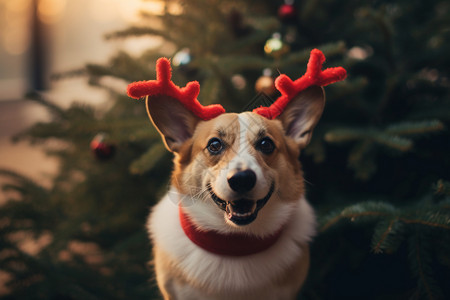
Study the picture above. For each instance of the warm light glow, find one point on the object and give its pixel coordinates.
(128, 10)
(51, 11)
(17, 6)
(15, 18)
(15, 41)
(15, 26)
(103, 10)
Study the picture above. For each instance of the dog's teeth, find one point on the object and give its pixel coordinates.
(241, 215)
(230, 213)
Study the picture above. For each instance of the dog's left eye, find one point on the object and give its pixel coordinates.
(265, 145)
(215, 146)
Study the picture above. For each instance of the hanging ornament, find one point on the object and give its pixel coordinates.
(266, 83)
(101, 149)
(238, 81)
(287, 12)
(275, 46)
(182, 60)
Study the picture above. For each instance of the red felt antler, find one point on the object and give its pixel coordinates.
(163, 85)
(289, 89)
(187, 96)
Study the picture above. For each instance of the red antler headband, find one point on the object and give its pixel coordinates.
(187, 96)
(164, 86)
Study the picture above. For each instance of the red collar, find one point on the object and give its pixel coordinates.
(234, 244)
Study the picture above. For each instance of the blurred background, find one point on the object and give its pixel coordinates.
(41, 38)
(81, 165)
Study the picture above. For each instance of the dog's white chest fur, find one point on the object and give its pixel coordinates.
(246, 277)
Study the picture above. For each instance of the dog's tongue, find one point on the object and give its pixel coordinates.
(240, 208)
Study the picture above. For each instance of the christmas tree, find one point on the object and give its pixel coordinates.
(377, 169)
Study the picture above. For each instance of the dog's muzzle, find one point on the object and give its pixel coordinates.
(241, 211)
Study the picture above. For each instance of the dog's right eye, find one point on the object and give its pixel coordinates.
(265, 145)
(215, 146)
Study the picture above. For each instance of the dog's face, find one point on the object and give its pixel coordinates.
(242, 167)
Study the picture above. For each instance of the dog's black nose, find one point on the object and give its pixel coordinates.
(242, 181)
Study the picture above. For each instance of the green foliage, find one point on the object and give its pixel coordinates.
(148, 160)
(443, 187)
(422, 267)
(391, 224)
(397, 137)
(377, 165)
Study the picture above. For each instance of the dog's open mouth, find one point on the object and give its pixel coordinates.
(241, 211)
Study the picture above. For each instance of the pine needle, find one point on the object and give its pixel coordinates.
(415, 128)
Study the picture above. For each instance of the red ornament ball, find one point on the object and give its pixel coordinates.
(287, 12)
(101, 149)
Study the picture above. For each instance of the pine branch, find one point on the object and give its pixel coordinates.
(141, 31)
(392, 141)
(123, 66)
(52, 108)
(350, 134)
(427, 223)
(302, 56)
(352, 217)
(441, 112)
(388, 236)
(142, 134)
(386, 28)
(384, 234)
(415, 128)
(362, 159)
(420, 259)
(316, 149)
(442, 188)
(341, 135)
(367, 211)
(148, 159)
(437, 217)
(257, 36)
(69, 74)
(421, 272)
(23, 184)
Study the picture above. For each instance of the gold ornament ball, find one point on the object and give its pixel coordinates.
(266, 85)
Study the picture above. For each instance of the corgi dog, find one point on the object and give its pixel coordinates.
(235, 223)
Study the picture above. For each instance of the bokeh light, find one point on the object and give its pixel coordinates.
(14, 26)
(51, 11)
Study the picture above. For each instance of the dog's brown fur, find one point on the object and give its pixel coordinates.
(194, 165)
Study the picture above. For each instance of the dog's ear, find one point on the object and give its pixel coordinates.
(302, 114)
(175, 123)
